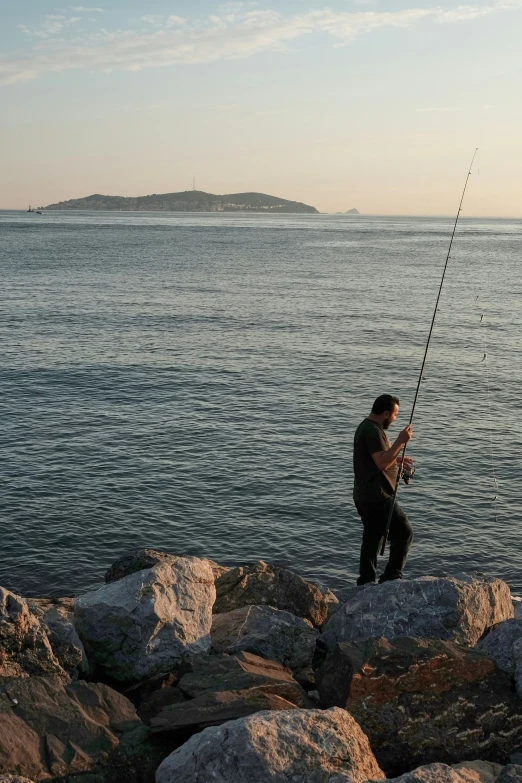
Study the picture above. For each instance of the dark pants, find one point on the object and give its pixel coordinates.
(374, 518)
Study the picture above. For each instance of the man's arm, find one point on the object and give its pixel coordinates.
(385, 459)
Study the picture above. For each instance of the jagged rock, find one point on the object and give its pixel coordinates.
(141, 691)
(14, 779)
(213, 709)
(456, 609)
(148, 622)
(258, 584)
(270, 633)
(498, 644)
(53, 729)
(423, 700)
(512, 773)
(215, 673)
(276, 747)
(306, 678)
(159, 700)
(142, 559)
(467, 772)
(56, 615)
(24, 646)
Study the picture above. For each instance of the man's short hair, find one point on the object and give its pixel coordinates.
(386, 402)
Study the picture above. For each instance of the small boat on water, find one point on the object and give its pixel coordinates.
(38, 212)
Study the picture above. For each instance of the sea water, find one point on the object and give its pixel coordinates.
(192, 382)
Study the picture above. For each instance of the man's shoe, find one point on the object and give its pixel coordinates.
(367, 582)
(384, 578)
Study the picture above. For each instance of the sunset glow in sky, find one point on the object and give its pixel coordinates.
(371, 104)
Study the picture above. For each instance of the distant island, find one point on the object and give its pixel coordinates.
(352, 212)
(188, 201)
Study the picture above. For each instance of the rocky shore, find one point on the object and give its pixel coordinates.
(178, 670)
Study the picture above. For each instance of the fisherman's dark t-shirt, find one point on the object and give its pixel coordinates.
(371, 485)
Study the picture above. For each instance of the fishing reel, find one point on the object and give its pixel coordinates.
(407, 473)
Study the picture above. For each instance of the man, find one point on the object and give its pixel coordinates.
(376, 464)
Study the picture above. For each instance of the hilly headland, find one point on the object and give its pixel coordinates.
(188, 201)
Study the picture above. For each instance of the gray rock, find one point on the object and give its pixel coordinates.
(517, 607)
(270, 633)
(423, 701)
(348, 592)
(53, 729)
(467, 772)
(478, 771)
(242, 671)
(458, 609)
(142, 559)
(146, 623)
(512, 773)
(276, 747)
(24, 645)
(498, 644)
(517, 657)
(56, 615)
(258, 584)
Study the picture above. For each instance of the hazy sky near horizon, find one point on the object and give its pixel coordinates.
(374, 104)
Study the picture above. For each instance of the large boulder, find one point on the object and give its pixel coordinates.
(243, 671)
(424, 700)
(499, 643)
(51, 729)
(213, 709)
(56, 616)
(270, 633)
(142, 559)
(276, 747)
(258, 584)
(467, 772)
(458, 609)
(146, 623)
(24, 645)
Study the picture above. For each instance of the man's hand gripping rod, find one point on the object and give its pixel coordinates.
(394, 498)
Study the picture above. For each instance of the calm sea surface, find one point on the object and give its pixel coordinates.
(192, 383)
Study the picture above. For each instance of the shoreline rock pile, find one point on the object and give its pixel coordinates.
(180, 670)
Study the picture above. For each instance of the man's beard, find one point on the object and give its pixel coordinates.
(385, 424)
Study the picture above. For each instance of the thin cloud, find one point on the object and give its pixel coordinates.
(175, 20)
(52, 25)
(235, 32)
(82, 9)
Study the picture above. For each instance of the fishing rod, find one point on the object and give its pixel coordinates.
(399, 473)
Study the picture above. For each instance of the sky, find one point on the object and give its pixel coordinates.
(373, 104)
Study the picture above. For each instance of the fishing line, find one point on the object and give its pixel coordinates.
(401, 464)
(482, 327)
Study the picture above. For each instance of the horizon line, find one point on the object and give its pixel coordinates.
(275, 214)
